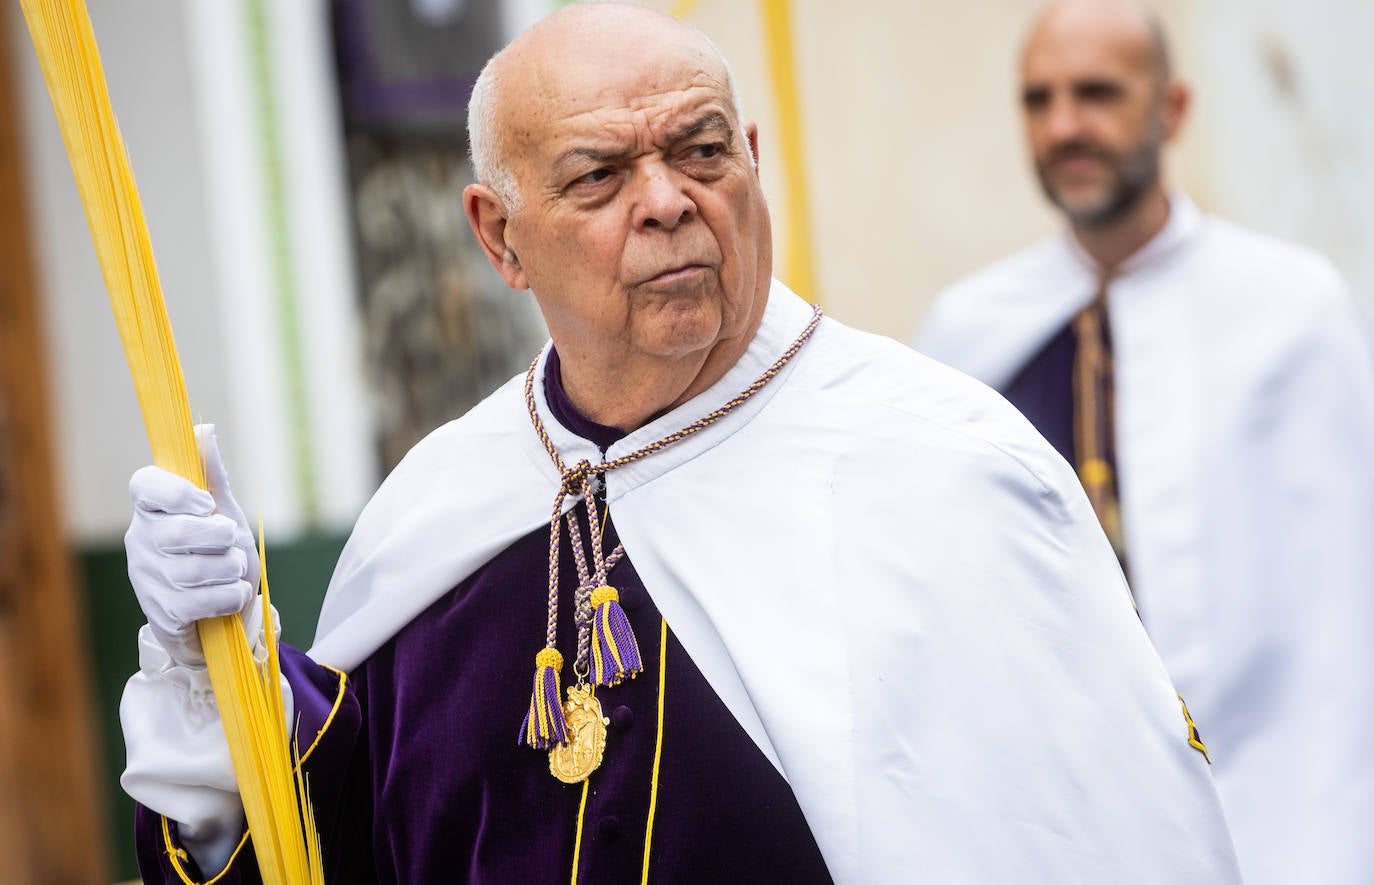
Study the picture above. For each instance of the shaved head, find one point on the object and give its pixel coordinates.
(528, 69)
(1130, 22)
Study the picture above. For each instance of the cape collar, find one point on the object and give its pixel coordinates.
(1185, 219)
(1009, 323)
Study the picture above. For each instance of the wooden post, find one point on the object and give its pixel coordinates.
(49, 785)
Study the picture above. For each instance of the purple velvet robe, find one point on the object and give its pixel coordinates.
(419, 777)
(1043, 391)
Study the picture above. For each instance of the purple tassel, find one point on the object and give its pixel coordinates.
(545, 724)
(615, 653)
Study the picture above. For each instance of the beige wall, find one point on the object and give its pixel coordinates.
(916, 160)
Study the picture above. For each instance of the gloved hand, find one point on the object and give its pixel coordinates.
(191, 554)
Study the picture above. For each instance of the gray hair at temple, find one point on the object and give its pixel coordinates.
(486, 148)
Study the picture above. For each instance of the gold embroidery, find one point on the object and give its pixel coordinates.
(574, 761)
(1194, 737)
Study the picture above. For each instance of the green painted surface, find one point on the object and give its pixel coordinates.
(299, 573)
(277, 224)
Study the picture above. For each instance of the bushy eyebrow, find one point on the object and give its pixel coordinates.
(592, 156)
(711, 122)
(1035, 96)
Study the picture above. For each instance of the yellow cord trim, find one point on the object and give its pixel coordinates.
(329, 720)
(577, 845)
(658, 744)
(177, 855)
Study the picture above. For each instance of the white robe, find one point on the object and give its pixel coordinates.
(891, 581)
(1245, 450)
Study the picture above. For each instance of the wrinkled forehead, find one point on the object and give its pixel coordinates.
(612, 94)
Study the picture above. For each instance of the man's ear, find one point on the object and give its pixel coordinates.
(751, 134)
(487, 214)
(1177, 99)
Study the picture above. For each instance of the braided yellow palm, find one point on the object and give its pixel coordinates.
(248, 695)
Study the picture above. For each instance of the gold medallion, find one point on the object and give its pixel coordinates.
(574, 761)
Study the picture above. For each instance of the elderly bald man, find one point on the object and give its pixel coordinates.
(809, 607)
(1214, 389)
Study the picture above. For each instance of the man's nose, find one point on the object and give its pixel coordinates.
(1064, 120)
(662, 200)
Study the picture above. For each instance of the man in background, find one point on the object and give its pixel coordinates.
(1213, 388)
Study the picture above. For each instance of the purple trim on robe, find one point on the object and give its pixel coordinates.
(421, 779)
(567, 414)
(1043, 391)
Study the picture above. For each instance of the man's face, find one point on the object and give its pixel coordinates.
(1096, 120)
(643, 230)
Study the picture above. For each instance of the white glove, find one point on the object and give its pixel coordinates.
(191, 554)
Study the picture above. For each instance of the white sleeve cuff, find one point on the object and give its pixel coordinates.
(178, 762)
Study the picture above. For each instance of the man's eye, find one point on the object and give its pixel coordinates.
(706, 151)
(596, 176)
(1035, 99)
(1098, 91)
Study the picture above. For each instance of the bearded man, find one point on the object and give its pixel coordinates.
(877, 631)
(1215, 390)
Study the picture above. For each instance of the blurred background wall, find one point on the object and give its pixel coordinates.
(917, 167)
(300, 163)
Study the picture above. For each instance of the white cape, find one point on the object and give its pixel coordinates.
(892, 582)
(1245, 427)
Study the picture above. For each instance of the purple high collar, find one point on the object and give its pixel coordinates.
(567, 414)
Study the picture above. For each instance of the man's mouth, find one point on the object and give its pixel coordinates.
(1077, 167)
(679, 274)
(1077, 160)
